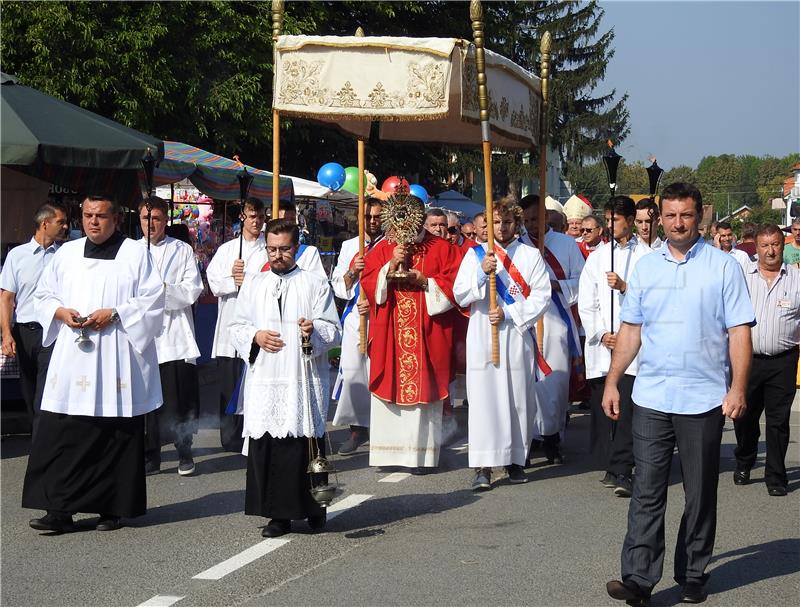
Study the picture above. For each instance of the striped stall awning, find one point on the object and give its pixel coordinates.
(215, 175)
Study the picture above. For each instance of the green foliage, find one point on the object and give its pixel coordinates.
(201, 72)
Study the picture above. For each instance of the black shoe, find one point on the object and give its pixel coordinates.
(516, 474)
(108, 523)
(423, 470)
(59, 523)
(777, 490)
(482, 480)
(277, 527)
(151, 467)
(623, 486)
(629, 592)
(535, 444)
(693, 592)
(351, 445)
(317, 522)
(609, 481)
(554, 457)
(186, 466)
(741, 476)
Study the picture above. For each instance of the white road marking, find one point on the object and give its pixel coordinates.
(240, 560)
(395, 477)
(161, 600)
(350, 501)
(253, 553)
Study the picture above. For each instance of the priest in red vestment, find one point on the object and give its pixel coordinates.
(409, 346)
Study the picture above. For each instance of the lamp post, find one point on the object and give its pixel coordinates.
(654, 173)
(611, 161)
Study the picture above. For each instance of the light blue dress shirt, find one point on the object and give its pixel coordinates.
(685, 309)
(22, 270)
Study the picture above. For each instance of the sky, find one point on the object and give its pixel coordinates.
(706, 78)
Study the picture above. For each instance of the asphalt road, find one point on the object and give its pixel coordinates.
(417, 541)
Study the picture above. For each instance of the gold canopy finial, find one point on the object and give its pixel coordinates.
(277, 19)
(475, 10)
(360, 32)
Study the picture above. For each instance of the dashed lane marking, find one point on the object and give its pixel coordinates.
(394, 477)
(263, 548)
(161, 600)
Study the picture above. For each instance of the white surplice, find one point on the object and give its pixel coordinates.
(174, 261)
(351, 389)
(595, 301)
(283, 394)
(118, 375)
(220, 281)
(553, 390)
(502, 399)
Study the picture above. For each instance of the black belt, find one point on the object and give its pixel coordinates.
(33, 326)
(788, 352)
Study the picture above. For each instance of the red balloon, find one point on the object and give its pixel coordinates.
(392, 183)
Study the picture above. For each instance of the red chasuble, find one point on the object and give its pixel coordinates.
(409, 350)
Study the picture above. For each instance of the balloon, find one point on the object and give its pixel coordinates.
(391, 184)
(417, 190)
(332, 176)
(351, 180)
(195, 212)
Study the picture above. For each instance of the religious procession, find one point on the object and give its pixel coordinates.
(493, 322)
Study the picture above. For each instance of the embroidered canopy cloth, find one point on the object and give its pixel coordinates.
(419, 89)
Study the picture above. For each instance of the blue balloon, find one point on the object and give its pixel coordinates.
(332, 175)
(417, 190)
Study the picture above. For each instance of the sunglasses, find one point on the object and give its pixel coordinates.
(452, 230)
(587, 230)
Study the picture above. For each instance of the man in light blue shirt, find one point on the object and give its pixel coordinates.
(22, 270)
(688, 309)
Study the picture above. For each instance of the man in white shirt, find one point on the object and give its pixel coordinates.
(726, 238)
(352, 383)
(22, 334)
(647, 221)
(176, 420)
(226, 272)
(600, 293)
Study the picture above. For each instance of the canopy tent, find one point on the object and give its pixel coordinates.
(64, 144)
(451, 200)
(214, 175)
(405, 83)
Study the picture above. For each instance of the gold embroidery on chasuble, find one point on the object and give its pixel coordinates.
(407, 327)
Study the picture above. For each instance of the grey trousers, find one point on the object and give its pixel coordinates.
(698, 439)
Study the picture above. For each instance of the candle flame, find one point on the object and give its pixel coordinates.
(610, 144)
(652, 159)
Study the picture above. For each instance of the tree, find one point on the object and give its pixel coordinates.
(201, 72)
(680, 173)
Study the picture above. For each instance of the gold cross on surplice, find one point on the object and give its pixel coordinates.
(83, 383)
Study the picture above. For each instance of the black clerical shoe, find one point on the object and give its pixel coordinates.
(609, 481)
(693, 592)
(554, 457)
(741, 476)
(516, 474)
(108, 523)
(777, 490)
(623, 486)
(423, 470)
(317, 522)
(277, 527)
(151, 467)
(629, 592)
(59, 523)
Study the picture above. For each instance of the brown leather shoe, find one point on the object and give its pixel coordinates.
(629, 592)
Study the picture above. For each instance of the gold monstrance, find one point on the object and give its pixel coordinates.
(403, 216)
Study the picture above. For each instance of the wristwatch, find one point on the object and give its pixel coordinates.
(114, 315)
(352, 274)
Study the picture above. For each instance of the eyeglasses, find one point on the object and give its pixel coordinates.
(452, 230)
(374, 217)
(468, 234)
(587, 230)
(275, 250)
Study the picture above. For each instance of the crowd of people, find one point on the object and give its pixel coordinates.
(632, 313)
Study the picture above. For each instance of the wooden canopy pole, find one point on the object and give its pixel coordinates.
(362, 320)
(544, 74)
(277, 26)
(476, 16)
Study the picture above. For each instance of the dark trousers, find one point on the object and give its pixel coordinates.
(612, 443)
(33, 361)
(655, 435)
(770, 390)
(229, 371)
(175, 421)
